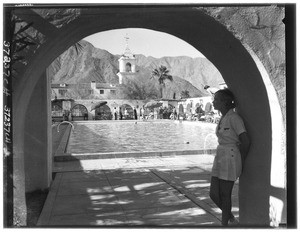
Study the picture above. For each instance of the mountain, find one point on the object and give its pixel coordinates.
(88, 63)
(198, 71)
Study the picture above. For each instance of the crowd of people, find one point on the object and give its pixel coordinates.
(199, 115)
(144, 113)
(141, 113)
(164, 113)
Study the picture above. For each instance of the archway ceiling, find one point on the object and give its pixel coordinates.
(149, 17)
(50, 22)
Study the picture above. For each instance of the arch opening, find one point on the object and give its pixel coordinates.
(79, 112)
(128, 67)
(103, 113)
(127, 111)
(225, 52)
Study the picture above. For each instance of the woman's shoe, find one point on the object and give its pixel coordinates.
(233, 222)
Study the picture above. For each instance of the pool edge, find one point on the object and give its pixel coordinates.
(140, 154)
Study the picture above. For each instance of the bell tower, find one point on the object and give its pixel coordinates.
(126, 64)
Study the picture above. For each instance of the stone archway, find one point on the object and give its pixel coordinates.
(127, 111)
(225, 51)
(103, 113)
(181, 109)
(79, 112)
(208, 107)
(189, 108)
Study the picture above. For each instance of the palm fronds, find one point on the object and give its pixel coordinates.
(162, 74)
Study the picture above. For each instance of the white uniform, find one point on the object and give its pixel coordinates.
(228, 164)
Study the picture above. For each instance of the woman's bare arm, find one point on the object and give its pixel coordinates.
(244, 145)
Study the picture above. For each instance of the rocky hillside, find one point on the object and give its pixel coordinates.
(198, 71)
(88, 64)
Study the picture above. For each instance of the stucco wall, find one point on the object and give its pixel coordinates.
(262, 30)
(38, 139)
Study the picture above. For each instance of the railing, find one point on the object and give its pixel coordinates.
(65, 122)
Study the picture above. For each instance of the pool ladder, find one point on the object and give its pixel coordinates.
(64, 122)
(205, 140)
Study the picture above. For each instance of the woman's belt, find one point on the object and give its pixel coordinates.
(228, 145)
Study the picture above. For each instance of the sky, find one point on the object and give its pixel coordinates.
(142, 41)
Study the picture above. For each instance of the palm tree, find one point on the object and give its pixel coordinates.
(162, 73)
(185, 94)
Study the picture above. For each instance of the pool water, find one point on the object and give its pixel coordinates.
(132, 136)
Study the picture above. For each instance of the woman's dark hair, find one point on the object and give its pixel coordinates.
(228, 97)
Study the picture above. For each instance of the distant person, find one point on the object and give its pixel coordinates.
(85, 117)
(151, 115)
(125, 113)
(143, 112)
(174, 114)
(135, 113)
(231, 152)
(200, 112)
(66, 115)
(155, 114)
(120, 114)
(201, 103)
(160, 112)
(115, 113)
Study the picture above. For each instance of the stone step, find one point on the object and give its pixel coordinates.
(63, 157)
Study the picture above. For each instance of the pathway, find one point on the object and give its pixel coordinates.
(154, 191)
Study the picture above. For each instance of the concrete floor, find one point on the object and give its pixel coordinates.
(137, 192)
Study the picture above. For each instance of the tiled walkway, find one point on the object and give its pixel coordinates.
(154, 191)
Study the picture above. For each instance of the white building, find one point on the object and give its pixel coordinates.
(127, 64)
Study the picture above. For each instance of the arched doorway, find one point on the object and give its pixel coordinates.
(128, 67)
(103, 113)
(127, 111)
(208, 108)
(56, 112)
(181, 109)
(198, 29)
(189, 109)
(79, 112)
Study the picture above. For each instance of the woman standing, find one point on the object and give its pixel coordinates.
(233, 147)
(126, 113)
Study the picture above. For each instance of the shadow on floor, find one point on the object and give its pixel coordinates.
(121, 198)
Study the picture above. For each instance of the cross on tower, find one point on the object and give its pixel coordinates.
(126, 38)
(127, 50)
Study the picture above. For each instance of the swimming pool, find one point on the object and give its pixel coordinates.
(132, 136)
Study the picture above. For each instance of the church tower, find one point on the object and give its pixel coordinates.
(126, 64)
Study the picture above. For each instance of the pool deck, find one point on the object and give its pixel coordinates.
(165, 192)
(169, 190)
